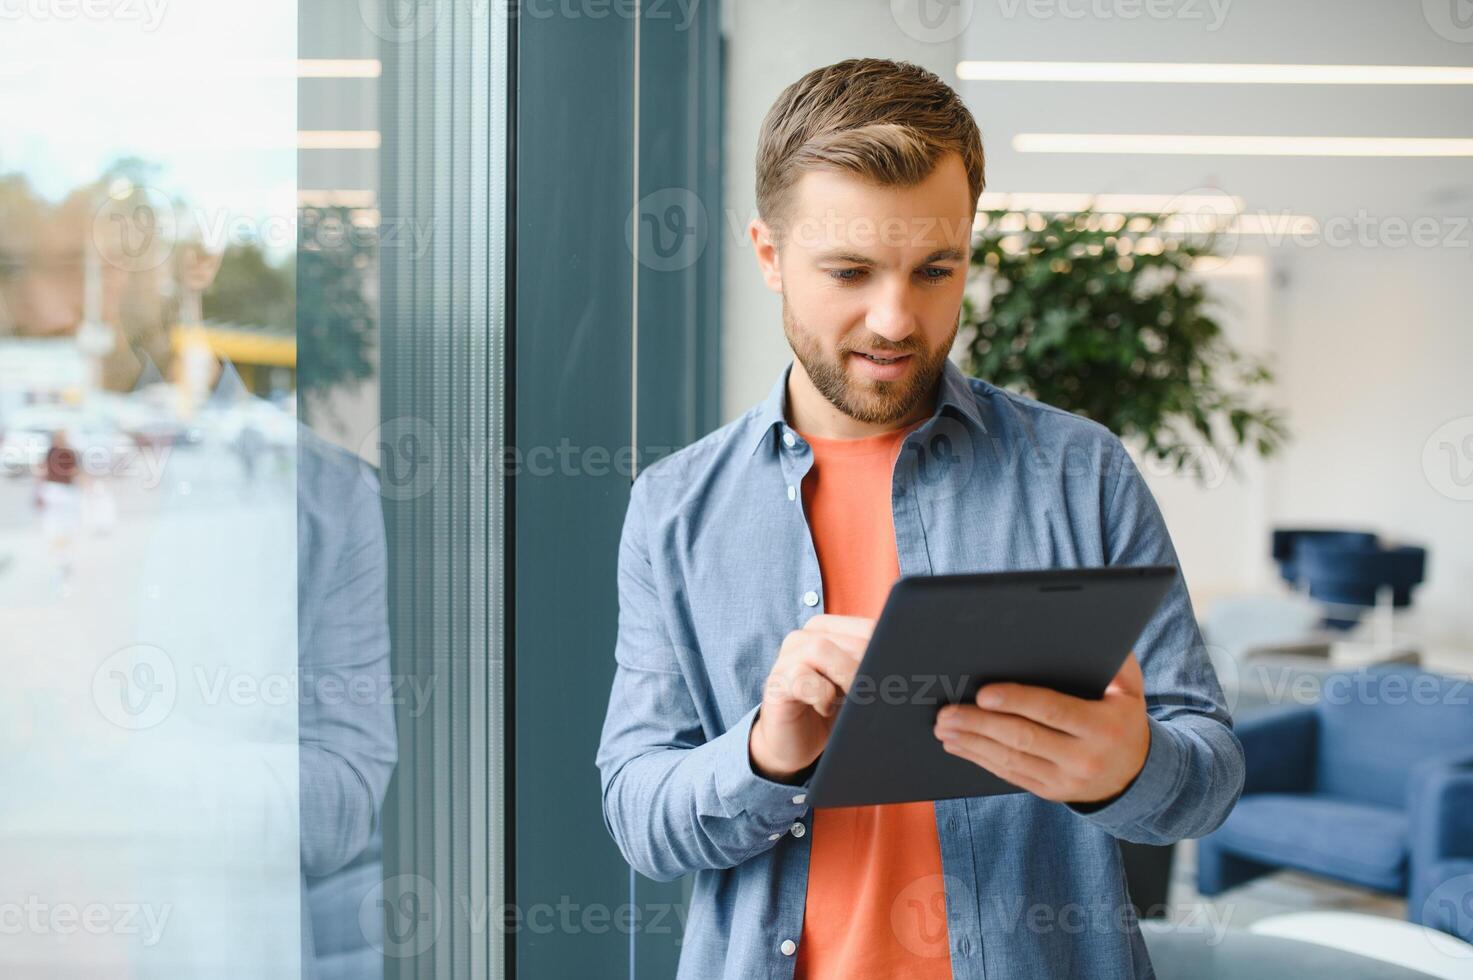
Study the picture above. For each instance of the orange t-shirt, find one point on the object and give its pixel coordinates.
(876, 906)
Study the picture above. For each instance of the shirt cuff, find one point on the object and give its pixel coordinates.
(741, 789)
(1152, 790)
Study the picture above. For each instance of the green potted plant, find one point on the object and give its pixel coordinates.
(1102, 314)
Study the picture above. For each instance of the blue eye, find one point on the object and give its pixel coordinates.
(843, 275)
(944, 273)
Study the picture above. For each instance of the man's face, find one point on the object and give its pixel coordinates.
(870, 270)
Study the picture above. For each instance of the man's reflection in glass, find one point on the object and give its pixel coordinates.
(346, 719)
(61, 276)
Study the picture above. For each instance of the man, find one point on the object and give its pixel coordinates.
(753, 562)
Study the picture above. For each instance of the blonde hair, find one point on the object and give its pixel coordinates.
(887, 121)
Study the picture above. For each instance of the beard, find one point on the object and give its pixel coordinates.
(865, 399)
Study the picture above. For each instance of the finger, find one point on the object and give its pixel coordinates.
(799, 641)
(817, 691)
(1015, 731)
(832, 660)
(800, 683)
(1002, 760)
(1129, 679)
(852, 646)
(855, 626)
(849, 648)
(1037, 787)
(1047, 707)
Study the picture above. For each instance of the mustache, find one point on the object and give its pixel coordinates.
(882, 349)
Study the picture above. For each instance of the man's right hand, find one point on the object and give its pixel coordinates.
(803, 691)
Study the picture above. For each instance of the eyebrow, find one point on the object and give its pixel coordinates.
(854, 258)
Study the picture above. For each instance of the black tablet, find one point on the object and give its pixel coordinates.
(941, 637)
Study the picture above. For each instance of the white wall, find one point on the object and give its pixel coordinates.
(1208, 518)
(1372, 343)
(1376, 350)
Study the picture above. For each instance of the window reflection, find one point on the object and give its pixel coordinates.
(198, 711)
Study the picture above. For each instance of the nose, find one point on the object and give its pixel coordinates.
(892, 315)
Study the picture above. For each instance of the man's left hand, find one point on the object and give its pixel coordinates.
(1062, 748)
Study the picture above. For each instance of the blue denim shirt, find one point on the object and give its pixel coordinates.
(717, 566)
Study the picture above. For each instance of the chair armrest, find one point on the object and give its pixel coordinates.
(1440, 807)
(1279, 750)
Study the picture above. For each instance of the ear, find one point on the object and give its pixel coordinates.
(765, 249)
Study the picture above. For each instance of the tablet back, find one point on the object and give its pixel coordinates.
(941, 637)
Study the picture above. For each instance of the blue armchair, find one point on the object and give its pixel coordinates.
(1373, 785)
(1441, 894)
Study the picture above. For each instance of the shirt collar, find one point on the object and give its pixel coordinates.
(955, 396)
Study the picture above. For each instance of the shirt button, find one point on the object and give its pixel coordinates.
(810, 598)
(792, 493)
(773, 836)
(788, 439)
(788, 947)
(800, 798)
(798, 829)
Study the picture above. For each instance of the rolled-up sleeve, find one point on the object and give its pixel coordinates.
(677, 798)
(1193, 773)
